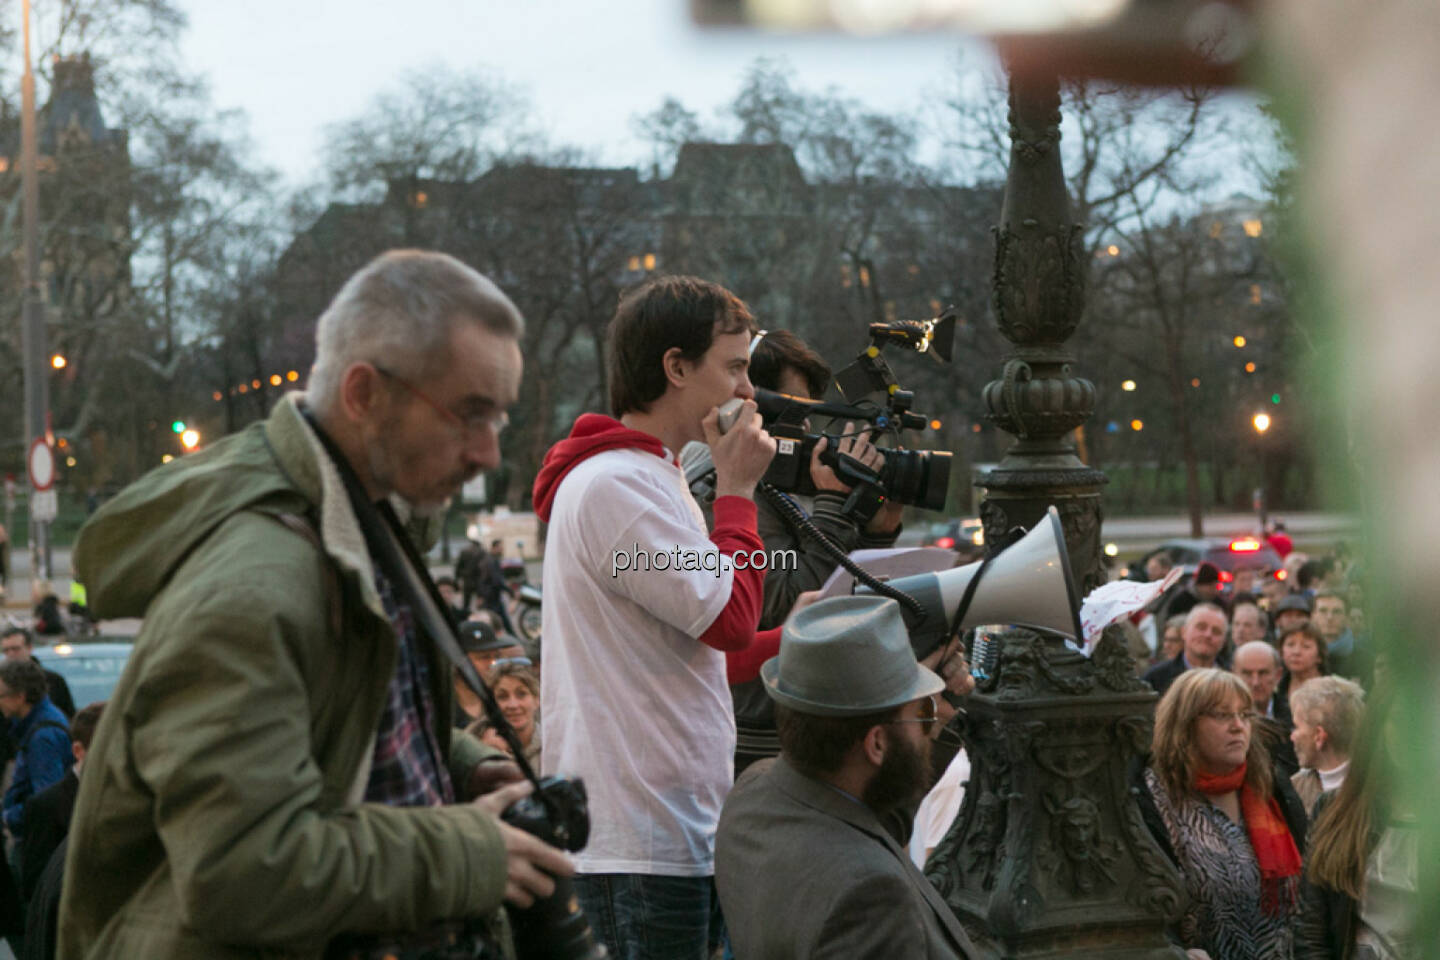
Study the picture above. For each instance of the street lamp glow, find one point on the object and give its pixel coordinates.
(1137, 425)
(1261, 422)
(1128, 386)
(1111, 550)
(58, 361)
(190, 439)
(1250, 367)
(1239, 341)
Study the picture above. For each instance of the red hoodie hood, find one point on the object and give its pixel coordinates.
(592, 434)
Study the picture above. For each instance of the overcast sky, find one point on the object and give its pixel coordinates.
(296, 65)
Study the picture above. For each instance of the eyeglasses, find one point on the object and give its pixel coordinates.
(1225, 716)
(929, 713)
(469, 425)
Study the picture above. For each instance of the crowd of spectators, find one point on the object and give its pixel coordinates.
(1271, 780)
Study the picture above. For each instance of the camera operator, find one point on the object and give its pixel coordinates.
(782, 362)
(276, 772)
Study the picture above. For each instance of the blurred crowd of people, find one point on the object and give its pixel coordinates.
(1273, 780)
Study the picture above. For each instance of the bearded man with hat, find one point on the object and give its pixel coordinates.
(803, 863)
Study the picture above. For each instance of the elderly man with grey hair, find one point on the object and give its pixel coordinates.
(277, 773)
(1327, 712)
(804, 864)
(1258, 663)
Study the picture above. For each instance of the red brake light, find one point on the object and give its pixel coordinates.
(945, 543)
(1281, 574)
(1226, 576)
(1245, 545)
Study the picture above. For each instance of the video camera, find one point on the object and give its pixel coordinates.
(873, 396)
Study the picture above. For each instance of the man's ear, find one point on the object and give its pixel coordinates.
(1322, 738)
(359, 391)
(677, 368)
(874, 744)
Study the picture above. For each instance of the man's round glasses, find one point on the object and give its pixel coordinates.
(471, 424)
(928, 713)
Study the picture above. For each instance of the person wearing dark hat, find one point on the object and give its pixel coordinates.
(1204, 587)
(1290, 613)
(803, 863)
(483, 646)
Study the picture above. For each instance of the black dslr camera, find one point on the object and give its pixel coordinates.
(554, 928)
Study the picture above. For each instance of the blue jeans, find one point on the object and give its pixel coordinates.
(640, 917)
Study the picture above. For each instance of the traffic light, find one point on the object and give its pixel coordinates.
(178, 426)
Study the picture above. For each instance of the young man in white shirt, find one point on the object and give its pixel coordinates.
(642, 608)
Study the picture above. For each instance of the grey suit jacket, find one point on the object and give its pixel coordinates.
(804, 871)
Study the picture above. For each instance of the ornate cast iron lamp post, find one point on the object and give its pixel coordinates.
(1048, 855)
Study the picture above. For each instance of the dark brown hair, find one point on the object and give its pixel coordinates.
(664, 313)
(815, 745)
(82, 728)
(779, 349)
(1313, 632)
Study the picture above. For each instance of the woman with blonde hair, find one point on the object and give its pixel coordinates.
(517, 691)
(1360, 896)
(1232, 826)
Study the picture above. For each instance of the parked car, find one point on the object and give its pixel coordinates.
(90, 668)
(964, 535)
(1228, 554)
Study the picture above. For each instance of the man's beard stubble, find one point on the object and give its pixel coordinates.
(386, 464)
(903, 778)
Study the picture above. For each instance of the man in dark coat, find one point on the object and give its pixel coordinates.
(803, 863)
(1202, 638)
(17, 643)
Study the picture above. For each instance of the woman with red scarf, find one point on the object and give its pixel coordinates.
(1232, 826)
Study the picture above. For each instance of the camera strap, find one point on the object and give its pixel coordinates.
(392, 550)
(791, 513)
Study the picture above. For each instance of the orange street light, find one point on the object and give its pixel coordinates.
(1261, 422)
(58, 361)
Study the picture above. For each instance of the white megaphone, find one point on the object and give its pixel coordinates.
(1027, 584)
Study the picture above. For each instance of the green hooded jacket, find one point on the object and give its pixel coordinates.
(219, 812)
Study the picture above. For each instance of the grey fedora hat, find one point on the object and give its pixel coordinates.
(845, 657)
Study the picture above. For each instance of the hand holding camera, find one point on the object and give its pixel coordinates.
(853, 444)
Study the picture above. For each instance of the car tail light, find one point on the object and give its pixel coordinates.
(1281, 574)
(1244, 545)
(1226, 576)
(945, 543)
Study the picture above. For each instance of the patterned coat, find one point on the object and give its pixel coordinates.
(1224, 916)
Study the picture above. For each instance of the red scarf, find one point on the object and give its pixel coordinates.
(1270, 838)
